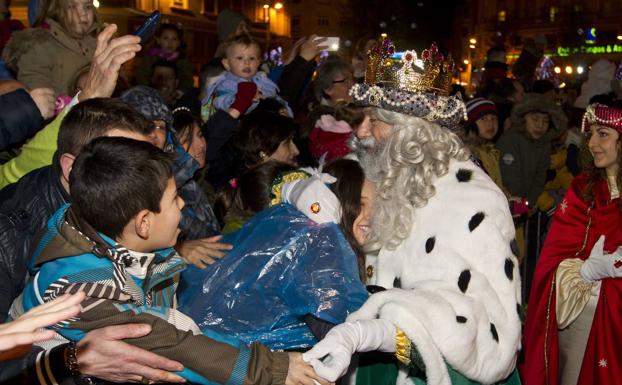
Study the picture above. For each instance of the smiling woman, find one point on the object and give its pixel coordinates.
(574, 303)
(62, 43)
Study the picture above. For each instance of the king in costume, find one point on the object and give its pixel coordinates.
(445, 231)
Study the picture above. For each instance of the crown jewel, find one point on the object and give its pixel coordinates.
(412, 86)
(430, 74)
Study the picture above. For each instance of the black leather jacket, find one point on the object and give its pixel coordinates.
(25, 207)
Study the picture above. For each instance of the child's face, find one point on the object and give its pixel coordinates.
(242, 61)
(168, 40)
(197, 147)
(164, 227)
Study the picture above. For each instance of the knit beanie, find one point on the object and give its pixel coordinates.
(479, 107)
(148, 102)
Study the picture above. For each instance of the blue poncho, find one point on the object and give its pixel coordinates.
(283, 266)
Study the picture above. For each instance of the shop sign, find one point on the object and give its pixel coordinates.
(590, 50)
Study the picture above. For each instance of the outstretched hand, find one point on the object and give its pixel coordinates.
(27, 329)
(203, 252)
(103, 354)
(301, 373)
(109, 56)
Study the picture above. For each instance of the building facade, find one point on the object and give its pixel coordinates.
(571, 32)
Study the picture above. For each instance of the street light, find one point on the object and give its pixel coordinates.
(557, 70)
(277, 6)
(568, 70)
(473, 41)
(580, 70)
(466, 61)
(472, 46)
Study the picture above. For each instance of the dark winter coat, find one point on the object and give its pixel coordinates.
(524, 160)
(19, 118)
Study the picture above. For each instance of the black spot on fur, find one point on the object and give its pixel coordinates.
(519, 310)
(493, 331)
(461, 319)
(463, 280)
(509, 268)
(429, 244)
(476, 220)
(464, 175)
(514, 247)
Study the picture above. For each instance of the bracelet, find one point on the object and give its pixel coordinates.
(71, 362)
(402, 347)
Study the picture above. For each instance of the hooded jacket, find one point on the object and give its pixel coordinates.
(128, 287)
(524, 160)
(49, 57)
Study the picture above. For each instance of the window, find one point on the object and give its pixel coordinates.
(179, 4)
(501, 16)
(322, 21)
(553, 11)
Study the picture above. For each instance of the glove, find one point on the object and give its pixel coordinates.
(600, 265)
(313, 198)
(331, 356)
(244, 96)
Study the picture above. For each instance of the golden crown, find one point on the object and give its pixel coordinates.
(430, 74)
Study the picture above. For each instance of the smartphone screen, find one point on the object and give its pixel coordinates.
(148, 28)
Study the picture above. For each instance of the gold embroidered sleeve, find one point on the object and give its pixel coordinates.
(402, 347)
(572, 291)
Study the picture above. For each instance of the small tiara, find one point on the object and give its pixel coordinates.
(182, 108)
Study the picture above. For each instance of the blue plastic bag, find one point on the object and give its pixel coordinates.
(283, 266)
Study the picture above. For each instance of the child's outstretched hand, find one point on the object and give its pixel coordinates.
(203, 252)
(244, 97)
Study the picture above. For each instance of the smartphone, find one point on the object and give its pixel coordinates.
(148, 28)
(331, 42)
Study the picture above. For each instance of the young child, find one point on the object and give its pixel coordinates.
(114, 242)
(240, 87)
(169, 39)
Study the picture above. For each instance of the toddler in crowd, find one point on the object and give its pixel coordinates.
(240, 87)
(169, 47)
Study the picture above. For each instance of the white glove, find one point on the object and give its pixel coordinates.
(313, 198)
(331, 356)
(600, 265)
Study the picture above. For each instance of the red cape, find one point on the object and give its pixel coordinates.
(576, 226)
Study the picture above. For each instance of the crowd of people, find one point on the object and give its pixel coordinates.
(271, 224)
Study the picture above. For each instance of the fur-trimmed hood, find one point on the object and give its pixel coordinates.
(22, 42)
(539, 103)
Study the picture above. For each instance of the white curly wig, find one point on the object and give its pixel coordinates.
(404, 168)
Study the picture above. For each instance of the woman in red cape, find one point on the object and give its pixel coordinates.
(573, 333)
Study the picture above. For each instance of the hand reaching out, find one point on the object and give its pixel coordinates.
(301, 373)
(203, 252)
(109, 56)
(103, 354)
(27, 329)
(45, 101)
(312, 47)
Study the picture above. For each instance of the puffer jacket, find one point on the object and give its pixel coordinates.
(25, 207)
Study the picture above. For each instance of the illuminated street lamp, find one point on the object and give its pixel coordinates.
(557, 70)
(568, 70)
(466, 61)
(472, 41)
(278, 5)
(472, 46)
(580, 70)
